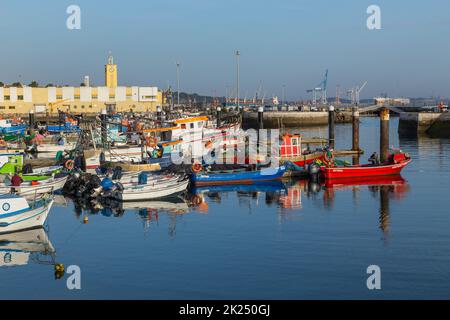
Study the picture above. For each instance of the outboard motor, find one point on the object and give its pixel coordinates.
(313, 172)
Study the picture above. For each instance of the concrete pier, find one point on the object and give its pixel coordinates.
(291, 119)
(416, 122)
(435, 124)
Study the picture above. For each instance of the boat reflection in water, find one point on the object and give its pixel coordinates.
(199, 196)
(21, 248)
(147, 211)
(386, 188)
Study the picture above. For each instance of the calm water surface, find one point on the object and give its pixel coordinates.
(274, 242)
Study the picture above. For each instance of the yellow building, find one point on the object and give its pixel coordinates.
(21, 100)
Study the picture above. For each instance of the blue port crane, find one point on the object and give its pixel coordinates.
(320, 91)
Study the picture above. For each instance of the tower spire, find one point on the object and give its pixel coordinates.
(110, 58)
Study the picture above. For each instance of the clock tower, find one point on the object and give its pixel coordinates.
(111, 73)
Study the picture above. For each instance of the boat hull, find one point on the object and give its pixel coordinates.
(30, 219)
(145, 192)
(363, 171)
(27, 190)
(247, 177)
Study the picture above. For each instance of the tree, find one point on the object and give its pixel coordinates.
(2, 84)
(34, 84)
(49, 85)
(16, 84)
(82, 84)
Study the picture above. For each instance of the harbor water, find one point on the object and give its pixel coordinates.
(275, 241)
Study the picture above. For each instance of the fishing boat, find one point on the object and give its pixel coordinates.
(150, 191)
(10, 163)
(396, 162)
(33, 187)
(49, 150)
(17, 213)
(69, 126)
(237, 177)
(7, 126)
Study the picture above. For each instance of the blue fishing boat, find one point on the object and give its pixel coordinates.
(7, 127)
(239, 177)
(66, 128)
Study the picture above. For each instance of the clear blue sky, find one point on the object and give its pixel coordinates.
(288, 42)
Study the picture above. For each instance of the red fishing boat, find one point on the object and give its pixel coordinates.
(397, 161)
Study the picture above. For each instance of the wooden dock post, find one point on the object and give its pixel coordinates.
(331, 127)
(103, 128)
(355, 133)
(355, 128)
(158, 113)
(219, 121)
(31, 120)
(384, 134)
(261, 117)
(260, 123)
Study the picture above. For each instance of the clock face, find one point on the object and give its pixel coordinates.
(111, 69)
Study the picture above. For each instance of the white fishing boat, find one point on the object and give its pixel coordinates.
(19, 248)
(47, 151)
(17, 213)
(129, 178)
(31, 188)
(149, 191)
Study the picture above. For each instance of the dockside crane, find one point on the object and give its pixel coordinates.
(354, 93)
(320, 91)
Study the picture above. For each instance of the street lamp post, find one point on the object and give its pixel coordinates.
(178, 82)
(237, 76)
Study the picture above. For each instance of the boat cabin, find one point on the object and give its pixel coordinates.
(10, 203)
(191, 124)
(5, 123)
(291, 145)
(10, 163)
